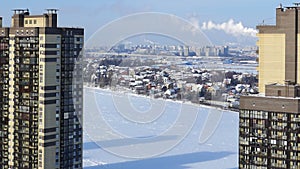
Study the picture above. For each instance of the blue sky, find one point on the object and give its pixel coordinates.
(93, 14)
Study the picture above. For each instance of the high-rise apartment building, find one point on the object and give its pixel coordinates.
(269, 128)
(40, 93)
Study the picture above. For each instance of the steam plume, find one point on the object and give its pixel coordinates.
(230, 27)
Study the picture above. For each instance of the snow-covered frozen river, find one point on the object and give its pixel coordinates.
(126, 131)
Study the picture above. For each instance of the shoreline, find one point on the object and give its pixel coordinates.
(206, 105)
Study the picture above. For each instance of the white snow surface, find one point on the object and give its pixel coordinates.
(142, 144)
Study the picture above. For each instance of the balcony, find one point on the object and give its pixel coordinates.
(277, 127)
(295, 158)
(296, 148)
(278, 155)
(244, 124)
(263, 135)
(276, 165)
(259, 126)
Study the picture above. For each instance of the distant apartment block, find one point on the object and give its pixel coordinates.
(269, 123)
(214, 51)
(40, 93)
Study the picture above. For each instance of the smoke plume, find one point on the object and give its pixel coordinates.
(230, 27)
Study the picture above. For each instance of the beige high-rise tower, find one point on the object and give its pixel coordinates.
(279, 49)
(269, 123)
(40, 93)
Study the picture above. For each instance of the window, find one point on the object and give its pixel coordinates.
(279, 93)
(26, 22)
(34, 21)
(30, 21)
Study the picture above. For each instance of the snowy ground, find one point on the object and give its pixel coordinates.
(135, 132)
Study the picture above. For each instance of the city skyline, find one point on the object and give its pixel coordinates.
(96, 14)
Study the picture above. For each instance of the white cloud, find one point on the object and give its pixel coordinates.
(230, 27)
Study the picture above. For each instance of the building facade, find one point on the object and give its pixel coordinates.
(269, 123)
(41, 93)
(279, 48)
(269, 128)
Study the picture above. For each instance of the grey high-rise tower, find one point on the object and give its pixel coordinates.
(40, 93)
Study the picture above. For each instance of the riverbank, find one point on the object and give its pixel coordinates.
(210, 103)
